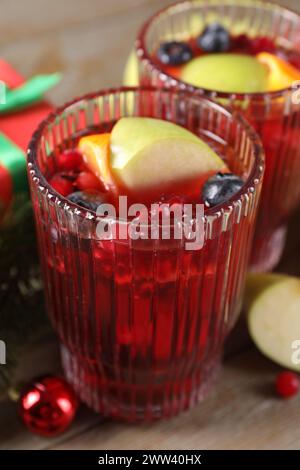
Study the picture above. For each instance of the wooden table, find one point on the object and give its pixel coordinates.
(88, 40)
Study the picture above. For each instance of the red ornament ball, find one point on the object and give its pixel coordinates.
(48, 406)
(287, 384)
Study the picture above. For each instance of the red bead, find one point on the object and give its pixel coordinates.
(88, 181)
(69, 160)
(287, 384)
(61, 184)
(48, 406)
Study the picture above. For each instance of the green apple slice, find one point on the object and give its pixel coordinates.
(147, 153)
(229, 73)
(274, 317)
(131, 71)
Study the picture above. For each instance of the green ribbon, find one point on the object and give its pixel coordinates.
(31, 92)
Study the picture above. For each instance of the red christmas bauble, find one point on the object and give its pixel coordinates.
(48, 405)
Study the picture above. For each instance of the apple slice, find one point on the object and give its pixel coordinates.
(148, 153)
(229, 73)
(273, 303)
(96, 153)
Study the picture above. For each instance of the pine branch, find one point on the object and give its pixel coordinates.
(22, 313)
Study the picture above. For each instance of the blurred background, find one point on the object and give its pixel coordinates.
(87, 40)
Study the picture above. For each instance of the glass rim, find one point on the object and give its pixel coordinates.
(249, 187)
(143, 55)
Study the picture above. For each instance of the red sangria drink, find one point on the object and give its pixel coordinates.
(142, 308)
(245, 55)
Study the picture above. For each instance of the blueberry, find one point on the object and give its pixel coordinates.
(215, 38)
(220, 188)
(174, 53)
(87, 199)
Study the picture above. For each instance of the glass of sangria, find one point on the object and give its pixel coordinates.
(219, 49)
(141, 321)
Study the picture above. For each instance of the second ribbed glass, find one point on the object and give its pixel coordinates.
(274, 115)
(142, 322)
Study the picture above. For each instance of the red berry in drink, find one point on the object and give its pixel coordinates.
(287, 384)
(61, 184)
(174, 53)
(86, 180)
(69, 160)
(215, 38)
(263, 44)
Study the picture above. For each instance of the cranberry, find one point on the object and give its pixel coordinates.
(241, 44)
(88, 181)
(215, 38)
(69, 160)
(263, 44)
(61, 184)
(287, 384)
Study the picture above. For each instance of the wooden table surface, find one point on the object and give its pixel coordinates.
(88, 40)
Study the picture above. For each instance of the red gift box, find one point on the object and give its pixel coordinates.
(16, 127)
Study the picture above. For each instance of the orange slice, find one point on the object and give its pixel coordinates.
(282, 74)
(96, 155)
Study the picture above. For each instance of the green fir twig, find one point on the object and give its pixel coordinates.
(22, 313)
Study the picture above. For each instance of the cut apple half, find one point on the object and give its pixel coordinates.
(273, 303)
(148, 153)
